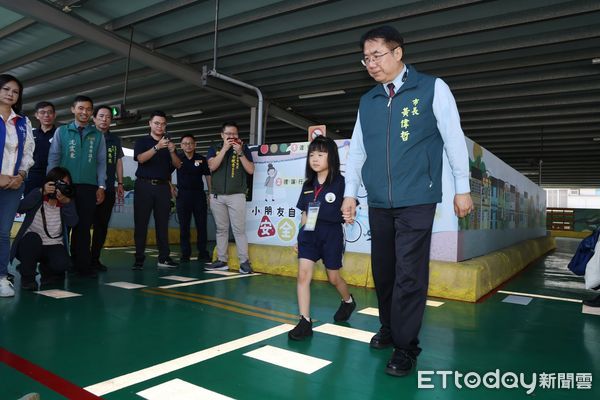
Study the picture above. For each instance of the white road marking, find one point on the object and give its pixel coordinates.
(288, 359)
(58, 294)
(178, 278)
(236, 276)
(345, 332)
(125, 285)
(120, 382)
(539, 296)
(178, 389)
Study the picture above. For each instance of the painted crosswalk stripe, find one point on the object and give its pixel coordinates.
(288, 359)
(345, 332)
(374, 311)
(125, 285)
(236, 276)
(224, 273)
(118, 248)
(178, 389)
(58, 294)
(540, 296)
(590, 310)
(520, 300)
(133, 378)
(178, 278)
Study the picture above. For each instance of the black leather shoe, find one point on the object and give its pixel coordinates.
(382, 339)
(595, 302)
(401, 363)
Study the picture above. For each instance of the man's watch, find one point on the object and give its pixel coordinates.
(155, 148)
(101, 187)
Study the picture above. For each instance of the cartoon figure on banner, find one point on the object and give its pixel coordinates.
(269, 182)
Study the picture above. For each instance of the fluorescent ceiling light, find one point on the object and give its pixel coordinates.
(321, 94)
(596, 60)
(596, 139)
(186, 114)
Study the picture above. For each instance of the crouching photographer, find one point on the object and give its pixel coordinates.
(43, 236)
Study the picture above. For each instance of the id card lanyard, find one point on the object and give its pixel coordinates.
(313, 211)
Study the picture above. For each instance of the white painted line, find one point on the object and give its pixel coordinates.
(118, 248)
(288, 359)
(370, 311)
(58, 294)
(178, 389)
(433, 303)
(375, 311)
(236, 276)
(590, 310)
(178, 278)
(226, 273)
(520, 300)
(130, 251)
(345, 332)
(133, 378)
(539, 296)
(125, 285)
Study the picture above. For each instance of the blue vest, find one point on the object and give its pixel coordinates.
(21, 126)
(402, 143)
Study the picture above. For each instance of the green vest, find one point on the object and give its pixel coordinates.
(230, 177)
(78, 153)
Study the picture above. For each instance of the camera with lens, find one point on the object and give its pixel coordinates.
(65, 188)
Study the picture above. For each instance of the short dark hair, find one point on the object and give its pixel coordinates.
(389, 34)
(57, 174)
(5, 78)
(44, 104)
(188, 135)
(229, 123)
(100, 107)
(81, 99)
(158, 113)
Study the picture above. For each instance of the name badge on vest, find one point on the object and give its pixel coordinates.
(197, 163)
(330, 197)
(311, 216)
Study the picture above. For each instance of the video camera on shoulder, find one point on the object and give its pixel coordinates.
(65, 188)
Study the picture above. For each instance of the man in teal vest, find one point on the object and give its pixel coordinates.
(81, 148)
(403, 125)
(230, 166)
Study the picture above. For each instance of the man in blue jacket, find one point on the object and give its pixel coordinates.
(403, 125)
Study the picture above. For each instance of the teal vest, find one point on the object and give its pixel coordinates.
(78, 153)
(402, 143)
(230, 177)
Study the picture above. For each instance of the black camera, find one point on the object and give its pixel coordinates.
(65, 188)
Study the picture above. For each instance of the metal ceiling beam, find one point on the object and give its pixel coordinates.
(233, 21)
(111, 41)
(371, 19)
(159, 9)
(38, 54)
(16, 27)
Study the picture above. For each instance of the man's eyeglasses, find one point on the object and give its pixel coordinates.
(46, 112)
(375, 58)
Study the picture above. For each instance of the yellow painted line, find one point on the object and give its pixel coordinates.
(539, 296)
(133, 378)
(238, 310)
(237, 304)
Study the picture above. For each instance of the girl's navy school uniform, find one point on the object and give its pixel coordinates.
(326, 242)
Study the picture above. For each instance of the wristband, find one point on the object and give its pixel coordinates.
(155, 149)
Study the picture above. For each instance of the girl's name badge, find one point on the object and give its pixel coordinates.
(197, 163)
(311, 216)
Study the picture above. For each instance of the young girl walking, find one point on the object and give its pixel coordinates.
(321, 233)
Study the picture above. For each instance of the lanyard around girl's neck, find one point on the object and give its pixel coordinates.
(317, 191)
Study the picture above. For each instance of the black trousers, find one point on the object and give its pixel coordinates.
(192, 203)
(150, 199)
(400, 244)
(54, 260)
(85, 203)
(100, 224)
